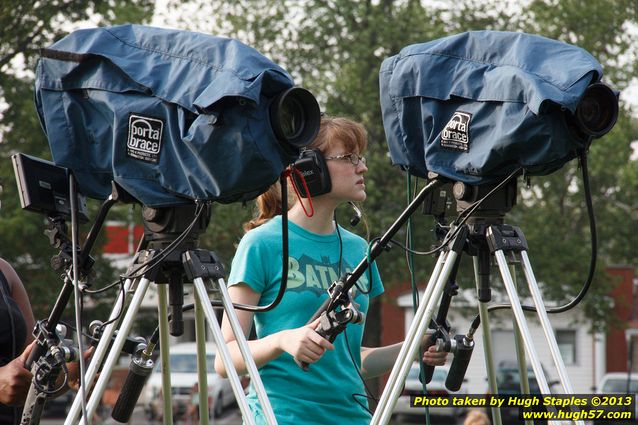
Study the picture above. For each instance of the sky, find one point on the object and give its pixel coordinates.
(164, 18)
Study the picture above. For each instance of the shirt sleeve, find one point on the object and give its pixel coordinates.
(250, 262)
(377, 284)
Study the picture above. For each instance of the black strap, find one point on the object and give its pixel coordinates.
(65, 56)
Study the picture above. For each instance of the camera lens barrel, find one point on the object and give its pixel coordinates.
(295, 118)
(597, 111)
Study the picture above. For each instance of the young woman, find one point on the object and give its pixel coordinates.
(320, 251)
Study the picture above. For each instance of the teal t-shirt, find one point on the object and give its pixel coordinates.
(323, 394)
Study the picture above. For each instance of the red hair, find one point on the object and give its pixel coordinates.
(333, 130)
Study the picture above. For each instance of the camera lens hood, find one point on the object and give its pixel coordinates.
(597, 111)
(295, 118)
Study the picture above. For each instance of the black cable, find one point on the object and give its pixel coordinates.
(74, 329)
(108, 322)
(155, 261)
(409, 255)
(284, 256)
(77, 292)
(122, 307)
(120, 281)
(103, 289)
(594, 250)
(363, 381)
(409, 259)
(363, 291)
(42, 389)
(461, 219)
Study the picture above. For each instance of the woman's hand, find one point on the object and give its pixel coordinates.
(304, 343)
(73, 381)
(15, 380)
(431, 357)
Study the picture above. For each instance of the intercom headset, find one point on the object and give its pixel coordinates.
(311, 164)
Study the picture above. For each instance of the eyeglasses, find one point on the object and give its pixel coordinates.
(352, 157)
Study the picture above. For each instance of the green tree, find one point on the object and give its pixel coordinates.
(335, 48)
(601, 29)
(26, 27)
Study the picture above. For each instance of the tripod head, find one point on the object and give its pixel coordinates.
(173, 231)
(481, 206)
(162, 226)
(487, 209)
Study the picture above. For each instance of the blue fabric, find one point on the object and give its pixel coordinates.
(511, 89)
(211, 95)
(323, 395)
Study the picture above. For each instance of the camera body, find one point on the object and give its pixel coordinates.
(171, 116)
(476, 106)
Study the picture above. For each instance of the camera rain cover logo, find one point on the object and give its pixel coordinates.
(456, 133)
(144, 138)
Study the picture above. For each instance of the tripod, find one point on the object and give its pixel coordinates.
(169, 259)
(484, 236)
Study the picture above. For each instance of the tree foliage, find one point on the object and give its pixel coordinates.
(335, 48)
(25, 27)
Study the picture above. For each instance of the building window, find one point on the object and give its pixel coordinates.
(566, 340)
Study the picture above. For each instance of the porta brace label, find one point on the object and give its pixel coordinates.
(456, 133)
(144, 141)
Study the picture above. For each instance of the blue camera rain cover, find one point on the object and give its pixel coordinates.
(169, 115)
(475, 106)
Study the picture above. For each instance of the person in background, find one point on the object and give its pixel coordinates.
(16, 342)
(476, 417)
(16, 324)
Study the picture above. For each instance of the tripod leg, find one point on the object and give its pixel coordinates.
(35, 402)
(200, 337)
(116, 349)
(520, 345)
(165, 361)
(245, 352)
(521, 322)
(417, 329)
(547, 327)
(520, 350)
(222, 350)
(487, 348)
(100, 351)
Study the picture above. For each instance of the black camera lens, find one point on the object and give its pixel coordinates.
(295, 118)
(292, 118)
(597, 111)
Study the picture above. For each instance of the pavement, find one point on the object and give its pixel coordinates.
(230, 416)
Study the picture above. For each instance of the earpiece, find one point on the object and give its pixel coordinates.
(356, 218)
(312, 165)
